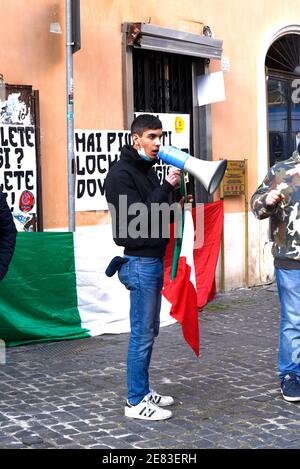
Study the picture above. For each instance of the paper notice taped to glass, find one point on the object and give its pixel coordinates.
(210, 88)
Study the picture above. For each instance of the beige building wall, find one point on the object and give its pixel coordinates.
(31, 54)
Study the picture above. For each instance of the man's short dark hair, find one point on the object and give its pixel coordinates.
(145, 122)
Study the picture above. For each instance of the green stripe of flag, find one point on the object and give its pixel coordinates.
(38, 297)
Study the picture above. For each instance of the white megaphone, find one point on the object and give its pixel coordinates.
(209, 173)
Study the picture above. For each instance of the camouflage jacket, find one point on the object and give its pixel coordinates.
(285, 217)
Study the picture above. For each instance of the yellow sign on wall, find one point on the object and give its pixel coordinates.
(234, 178)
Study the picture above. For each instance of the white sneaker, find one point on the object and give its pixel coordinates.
(146, 410)
(159, 400)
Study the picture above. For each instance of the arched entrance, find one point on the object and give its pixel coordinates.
(283, 107)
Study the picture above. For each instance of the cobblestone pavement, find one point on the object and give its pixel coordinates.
(70, 394)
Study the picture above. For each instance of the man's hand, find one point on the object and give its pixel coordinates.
(274, 197)
(174, 177)
(189, 201)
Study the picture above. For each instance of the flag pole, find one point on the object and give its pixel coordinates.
(178, 238)
(184, 192)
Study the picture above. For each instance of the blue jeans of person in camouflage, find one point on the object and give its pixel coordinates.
(288, 284)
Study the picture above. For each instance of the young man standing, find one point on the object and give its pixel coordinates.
(133, 180)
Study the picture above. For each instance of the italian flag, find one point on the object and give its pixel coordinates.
(56, 288)
(181, 290)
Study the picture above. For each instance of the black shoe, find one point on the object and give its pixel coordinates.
(290, 388)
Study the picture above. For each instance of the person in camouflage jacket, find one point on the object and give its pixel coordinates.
(278, 197)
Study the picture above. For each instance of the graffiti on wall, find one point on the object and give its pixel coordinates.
(14, 111)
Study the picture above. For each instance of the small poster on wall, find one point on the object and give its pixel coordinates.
(18, 168)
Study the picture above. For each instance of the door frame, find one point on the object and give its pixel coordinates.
(201, 119)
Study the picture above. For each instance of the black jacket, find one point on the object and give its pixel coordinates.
(135, 178)
(8, 234)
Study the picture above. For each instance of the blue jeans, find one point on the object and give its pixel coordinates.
(288, 283)
(143, 276)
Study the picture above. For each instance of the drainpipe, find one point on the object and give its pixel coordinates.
(70, 117)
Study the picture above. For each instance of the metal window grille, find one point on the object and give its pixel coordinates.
(162, 82)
